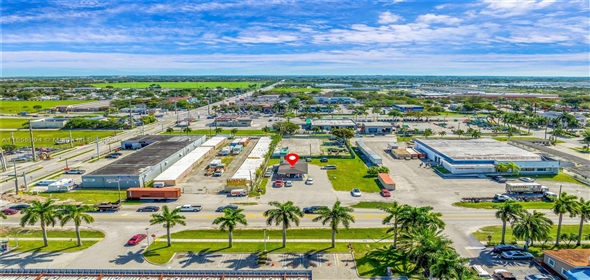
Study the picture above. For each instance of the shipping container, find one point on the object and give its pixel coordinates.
(386, 181)
(235, 143)
(153, 193)
(237, 149)
(244, 141)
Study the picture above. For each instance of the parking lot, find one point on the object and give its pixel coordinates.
(302, 194)
(491, 261)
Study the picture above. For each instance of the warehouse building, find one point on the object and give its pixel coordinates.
(246, 173)
(377, 128)
(329, 124)
(155, 155)
(480, 156)
(181, 168)
(408, 108)
(371, 156)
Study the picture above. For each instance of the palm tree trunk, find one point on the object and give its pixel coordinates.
(333, 238)
(168, 235)
(231, 239)
(558, 230)
(395, 235)
(78, 235)
(503, 231)
(284, 235)
(44, 231)
(580, 232)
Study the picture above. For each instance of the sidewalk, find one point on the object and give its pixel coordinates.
(163, 239)
(51, 238)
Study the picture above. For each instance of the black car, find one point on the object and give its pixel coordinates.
(499, 179)
(117, 153)
(112, 156)
(506, 247)
(149, 209)
(20, 206)
(221, 208)
(313, 209)
(324, 159)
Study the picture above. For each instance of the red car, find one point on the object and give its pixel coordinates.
(9, 211)
(385, 193)
(136, 239)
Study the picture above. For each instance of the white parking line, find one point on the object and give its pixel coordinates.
(336, 259)
(240, 260)
(222, 259)
(284, 260)
(317, 258)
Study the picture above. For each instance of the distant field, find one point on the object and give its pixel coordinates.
(12, 123)
(179, 84)
(14, 107)
(288, 90)
(47, 138)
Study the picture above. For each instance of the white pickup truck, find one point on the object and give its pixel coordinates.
(190, 208)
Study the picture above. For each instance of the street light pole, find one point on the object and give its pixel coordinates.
(265, 240)
(147, 238)
(119, 189)
(16, 178)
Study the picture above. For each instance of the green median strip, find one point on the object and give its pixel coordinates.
(316, 233)
(490, 205)
(372, 205)
(36, 233)
(53, 246)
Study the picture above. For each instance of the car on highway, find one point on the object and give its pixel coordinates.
(221, 208)
(355, 192)
(19, 206)
(501, 197)
(117, 153)
(149, 209)
(503, 274)
(313, 209)
(112, 156)
(385, 193)
(309, 181)
(136, 239)
(526, 179)
(506, 247)
(308, 159)
(9, 211)
(517, 255)
(75, 171)
(288, 183)
(499, 179)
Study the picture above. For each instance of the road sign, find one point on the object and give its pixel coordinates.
(123, 178)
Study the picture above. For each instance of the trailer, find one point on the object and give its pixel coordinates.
(237, 149)
(153, 193)
(244, 141)
(520, 188)
(386, 181)
(234, 143)
(224, 151)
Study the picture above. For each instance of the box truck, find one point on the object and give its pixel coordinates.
(153, 193)
(520, 187)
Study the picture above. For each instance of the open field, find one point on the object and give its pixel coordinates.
(371, 204)
(350, 174)
(53, 246)
(179, 84)
(490, 205)
(351, 233)
(14, 107)
(47, 138)
(13, 123)
(89, 196)
(51, 233)
(496, 232)
(288, 90)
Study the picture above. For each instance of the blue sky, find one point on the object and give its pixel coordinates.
(281, 37)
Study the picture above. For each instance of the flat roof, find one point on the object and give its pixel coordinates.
(408, 106)
(146, 157)
(333, 122)
(479, 149)
(163, 138)
(377, 124)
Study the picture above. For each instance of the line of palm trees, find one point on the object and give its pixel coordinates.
(535, 226)
(504, 167)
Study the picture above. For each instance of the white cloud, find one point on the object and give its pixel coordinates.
(507, 8)
(444, 19)
(388, 17)
(262, 39)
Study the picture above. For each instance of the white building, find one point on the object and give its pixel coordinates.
(480, 156)
(583, 120)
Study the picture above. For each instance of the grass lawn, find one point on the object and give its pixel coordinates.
(241, 132)
(13, 123)
(53, 246)
(582, 150)
(371, 204)
(496, 232)
(560, 177)
(47, 138)
(350, 174)
(89, 196)
(14, 107)
(161, 254)
(288, 90)
(52, 233)
(489, 205)
(227, 159)
(261, 185)
(352, 233)
(178, 84)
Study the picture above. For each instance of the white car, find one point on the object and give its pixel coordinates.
(309, 181)
(356, 192)
(526, 179)
(288, 183)
(514, 255)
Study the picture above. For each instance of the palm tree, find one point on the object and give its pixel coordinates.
(215, 108)
(266, 129)
(449, 265)
(417, 217)
(229, 220)
(393, 212)
(442, 133)
(513, 167)
(234, 131)
(335, 216)
(285, 214)
(428, 132)
(584, 212)
(316, 129)
(289, 115)
(218, 130)
(509, 211)
(586, 138)
(43, 212)
(77, 214)
(2, 215)
(423, 245)
(169, 130)
(531, 227)
(187, 130)
(565, 203)
(169, 219)
(460, 132)
(475, 134)
(501, 167)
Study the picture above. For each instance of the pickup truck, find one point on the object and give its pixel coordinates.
(190, 208)
(108, 206)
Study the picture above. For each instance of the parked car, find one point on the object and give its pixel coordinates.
(324, 159)
(506, 247)
(221, 208)
(503, 274)
(355, 192)
(517, 255)
(75, 171)
(526, 179)
(288, 183)
(9, 211)
(19, 206)
(501, 197)
(329, 167)
(539, 277)
(149, 209)
(112, 156)
(279, 183)
(136, 239)
(268, 172)
(313, 209)
(499, 179)
(309, 181)
(385, 193)
(117, 153)
(481, 273)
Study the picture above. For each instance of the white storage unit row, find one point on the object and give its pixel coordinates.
(255, 159)
(173, 174)
(214, 142)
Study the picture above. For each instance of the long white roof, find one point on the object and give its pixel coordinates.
(179, 167)
(254, 161)
(214, 141)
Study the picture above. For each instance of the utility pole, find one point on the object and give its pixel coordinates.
(12, 138)
(209, 105)
(32, 141)
(15, 179)
(25, 179)
(97, 149)
(130, 115)
(71, 140)
(3, 161)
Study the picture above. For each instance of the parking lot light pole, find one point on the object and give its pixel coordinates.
(265, 240)
(147, 238)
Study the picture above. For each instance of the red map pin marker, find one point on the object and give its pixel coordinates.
(292, 159)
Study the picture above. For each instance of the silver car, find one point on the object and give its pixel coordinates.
(356, 192)
(517, 255)
(526, 179)
(288, 183)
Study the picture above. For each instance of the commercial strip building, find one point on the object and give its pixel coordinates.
(298, 172)
(156, 154)
(335, 100)
(233, 121)
(377, 128)
(480, 156)
(246, 173)
(329, 124)
(582, 120)
(373, 157)
(408, 108)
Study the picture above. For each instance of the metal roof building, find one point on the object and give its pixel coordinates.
(184, 166)
(367, 152)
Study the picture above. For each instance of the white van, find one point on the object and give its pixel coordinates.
(481, 273)
(159, 184)
(238, 192)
